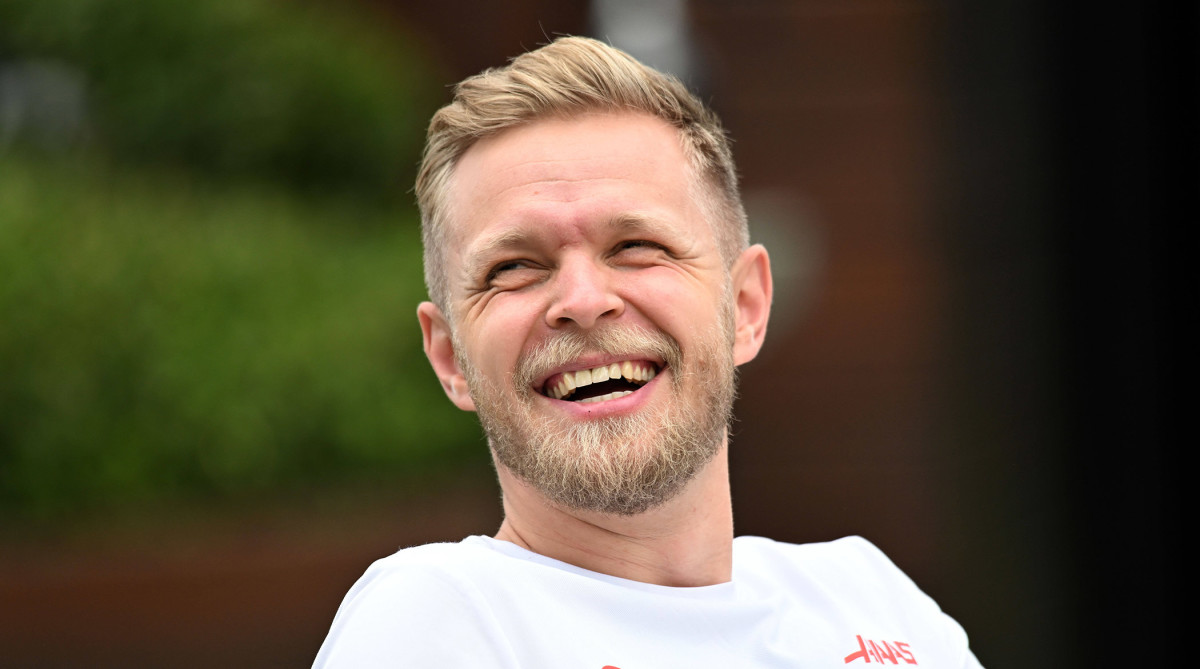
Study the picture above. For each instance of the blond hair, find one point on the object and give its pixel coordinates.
(569, 76)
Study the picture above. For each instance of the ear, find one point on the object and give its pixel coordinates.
(751, 276)
(439, 348)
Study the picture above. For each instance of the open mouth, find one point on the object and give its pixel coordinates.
(598, 384)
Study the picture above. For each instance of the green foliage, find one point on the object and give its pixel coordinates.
(298, 92)
(216, 298)
(160, 339)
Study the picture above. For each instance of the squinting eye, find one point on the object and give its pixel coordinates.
(504, 267)
(511, 273)
(638, 244)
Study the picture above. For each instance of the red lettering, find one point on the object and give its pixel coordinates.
(896, 651)
(885, 652)
(905, 653)
(861, 654)
(879, 651)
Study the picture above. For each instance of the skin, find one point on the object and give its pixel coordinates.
(582, 223)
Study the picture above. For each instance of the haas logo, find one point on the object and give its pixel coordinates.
(878, 651)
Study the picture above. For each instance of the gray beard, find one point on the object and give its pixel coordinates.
(622, 465)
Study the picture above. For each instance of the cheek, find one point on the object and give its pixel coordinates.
(674, 304)
(499, 335)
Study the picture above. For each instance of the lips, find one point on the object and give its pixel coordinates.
(597, 384)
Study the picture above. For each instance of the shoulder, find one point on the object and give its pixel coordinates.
(853, 581)
(440, 562)
(857, 550)
(397, 611)
(846, 555)
(424, 578)
(849, 567)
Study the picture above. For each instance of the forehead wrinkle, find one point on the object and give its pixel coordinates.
(556, 189)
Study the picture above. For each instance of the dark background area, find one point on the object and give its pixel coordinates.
(975, 212)
(1125, 150)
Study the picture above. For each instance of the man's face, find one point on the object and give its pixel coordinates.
(577, 252)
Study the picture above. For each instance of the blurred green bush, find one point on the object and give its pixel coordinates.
(306, 93)
(211, 292)
(161, 339)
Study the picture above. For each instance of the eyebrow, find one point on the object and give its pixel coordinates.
(479, 259)
(638, 222)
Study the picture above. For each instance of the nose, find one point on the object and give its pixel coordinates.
(583, 295)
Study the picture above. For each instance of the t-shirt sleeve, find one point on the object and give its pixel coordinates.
(415, 616)
(953, 636)
(969, 662)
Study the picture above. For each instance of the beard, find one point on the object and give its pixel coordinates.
(622, 465)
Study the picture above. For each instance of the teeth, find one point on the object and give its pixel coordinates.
(604, 398)
(638, 372)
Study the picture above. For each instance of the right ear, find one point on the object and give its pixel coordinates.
(439, 348)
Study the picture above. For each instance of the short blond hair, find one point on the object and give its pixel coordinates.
(570, 76)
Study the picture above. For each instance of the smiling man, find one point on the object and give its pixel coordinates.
(593, 290)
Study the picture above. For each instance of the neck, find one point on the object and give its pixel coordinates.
(686, 542)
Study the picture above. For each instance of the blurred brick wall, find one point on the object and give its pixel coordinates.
(252, 587)
(830, 105)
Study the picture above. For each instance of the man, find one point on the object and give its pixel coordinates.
(592, 291)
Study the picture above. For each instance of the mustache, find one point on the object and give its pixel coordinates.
(562, 349)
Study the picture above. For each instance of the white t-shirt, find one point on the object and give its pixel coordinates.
(489, 603)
